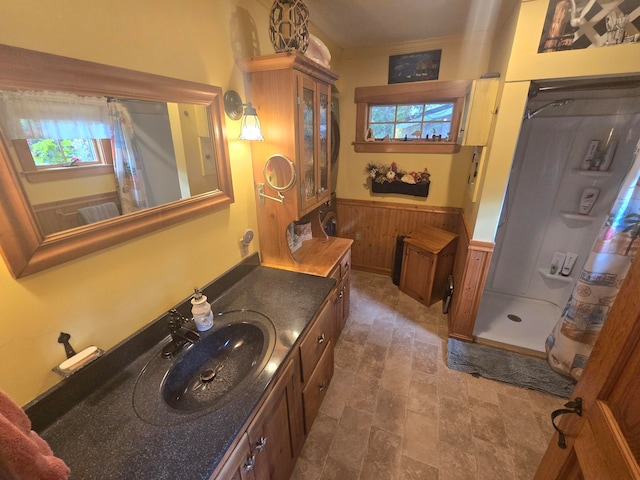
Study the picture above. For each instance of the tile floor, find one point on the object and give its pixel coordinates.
(394, 411)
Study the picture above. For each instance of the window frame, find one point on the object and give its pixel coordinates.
(402, 94)
(35, 174)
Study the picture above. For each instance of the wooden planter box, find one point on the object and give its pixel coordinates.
(417, 190)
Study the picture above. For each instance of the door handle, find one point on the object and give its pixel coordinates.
(573, 406)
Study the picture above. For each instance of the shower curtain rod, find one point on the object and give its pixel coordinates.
(592, 85)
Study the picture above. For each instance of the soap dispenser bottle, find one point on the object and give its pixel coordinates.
(201, 311)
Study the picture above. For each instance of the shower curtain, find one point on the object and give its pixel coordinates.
(126, 160)
(571, 341)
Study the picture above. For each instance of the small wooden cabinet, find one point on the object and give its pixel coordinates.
(427, 262)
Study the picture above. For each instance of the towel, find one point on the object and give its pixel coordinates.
(96, 213)
(24, 455)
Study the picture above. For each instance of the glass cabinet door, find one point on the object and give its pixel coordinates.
(314, 112)
(324, 139)
(308, 143)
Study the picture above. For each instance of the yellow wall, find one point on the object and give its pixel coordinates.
(462, 58)
(104, 297)
(498, 62)
(525, 65)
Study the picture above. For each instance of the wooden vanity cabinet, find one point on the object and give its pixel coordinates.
(275, 434)
(269, 448)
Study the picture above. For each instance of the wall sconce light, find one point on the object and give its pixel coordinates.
(236, 110)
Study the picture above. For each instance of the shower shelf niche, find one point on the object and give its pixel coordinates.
(593, 173)
(559, 278)
(578, 217)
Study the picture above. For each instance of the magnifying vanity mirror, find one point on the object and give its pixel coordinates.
(93, 155)
(280, 174)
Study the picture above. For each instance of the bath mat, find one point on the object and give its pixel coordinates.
(508, 367)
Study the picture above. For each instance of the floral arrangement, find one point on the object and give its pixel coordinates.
(392, 173)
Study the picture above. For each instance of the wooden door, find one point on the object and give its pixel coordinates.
(240, 464)
(604, 443)
(416, 278)
(273, 432)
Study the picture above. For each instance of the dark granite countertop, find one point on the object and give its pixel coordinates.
(94, 428)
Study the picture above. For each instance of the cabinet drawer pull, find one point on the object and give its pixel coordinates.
(260, 444)
(321, 338)
(250, 463)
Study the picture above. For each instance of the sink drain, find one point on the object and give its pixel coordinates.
(209, 374)
(514, 318)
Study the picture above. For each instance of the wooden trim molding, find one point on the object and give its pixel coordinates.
(469, 275)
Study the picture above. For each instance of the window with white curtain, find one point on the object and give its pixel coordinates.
(51, 131)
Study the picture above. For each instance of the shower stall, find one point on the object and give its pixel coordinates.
(541, 213)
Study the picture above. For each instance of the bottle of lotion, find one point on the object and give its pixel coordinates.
(201, 311)
(588, 198)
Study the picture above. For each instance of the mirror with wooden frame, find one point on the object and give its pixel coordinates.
(41, 204)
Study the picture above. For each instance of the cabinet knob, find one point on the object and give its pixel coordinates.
(321, 190)
(322, 386)
(250, 463)
(321, 338)
(341, 293)
(260, 444)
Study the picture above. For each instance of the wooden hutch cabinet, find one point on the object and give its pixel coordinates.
(292, 96)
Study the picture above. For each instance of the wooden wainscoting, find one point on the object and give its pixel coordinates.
(63, 214)
(470, 271)
(374, 226)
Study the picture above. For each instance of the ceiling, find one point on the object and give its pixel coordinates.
(364, 23)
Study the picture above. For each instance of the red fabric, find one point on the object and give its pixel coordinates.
(22, 451)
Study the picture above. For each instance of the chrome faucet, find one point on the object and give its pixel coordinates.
(180, 335)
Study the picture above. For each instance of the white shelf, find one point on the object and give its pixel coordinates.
(557, 277)
(593, 173)
(578, 216)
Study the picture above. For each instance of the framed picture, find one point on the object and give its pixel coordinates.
(589, 23)
(414, 67)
